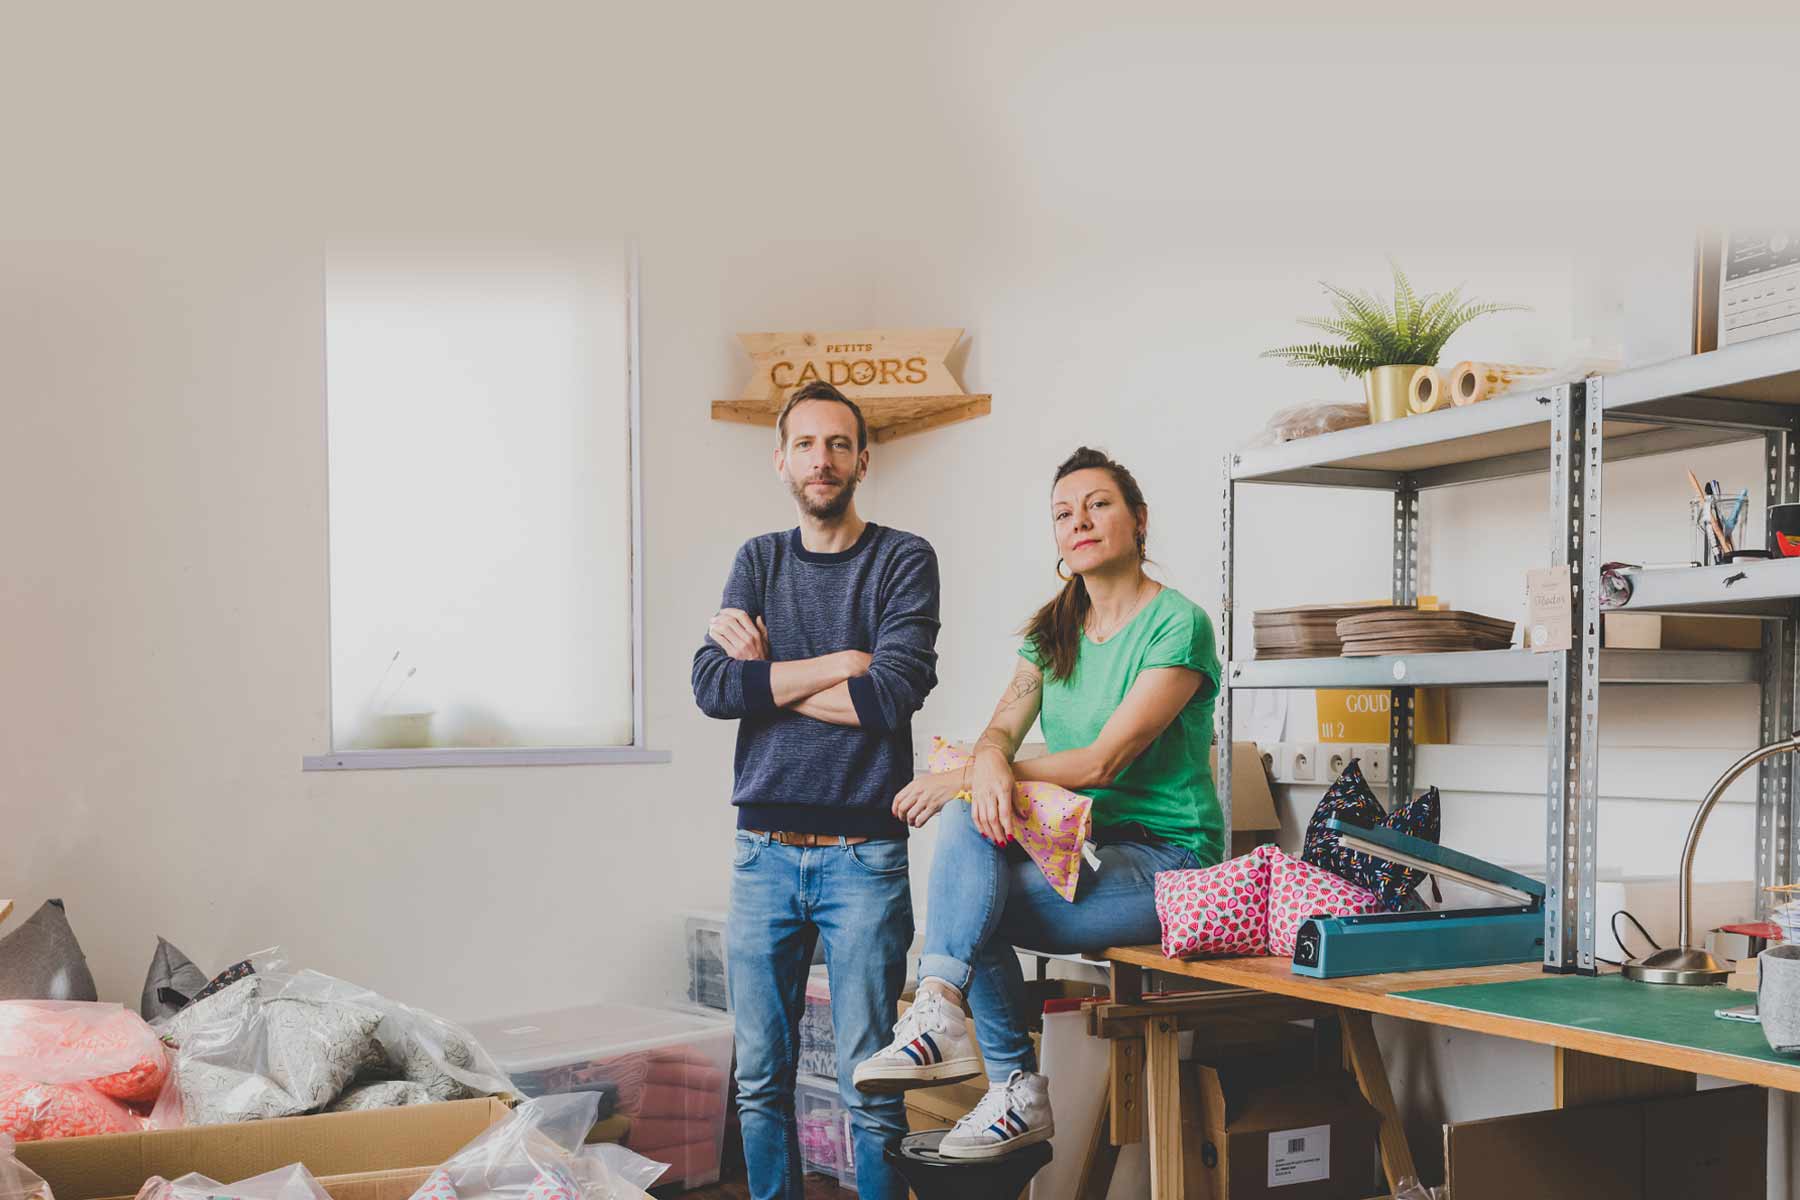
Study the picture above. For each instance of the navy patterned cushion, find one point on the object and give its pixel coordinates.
(1351, 801)
(1422, 818)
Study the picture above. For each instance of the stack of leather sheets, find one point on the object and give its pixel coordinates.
(1359, 630)
(1310, 631)
(1410, 631)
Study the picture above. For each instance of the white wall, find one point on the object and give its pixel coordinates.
(1122, 213)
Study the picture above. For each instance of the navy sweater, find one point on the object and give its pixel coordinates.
(796, 774)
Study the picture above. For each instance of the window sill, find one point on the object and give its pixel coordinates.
(487, 756)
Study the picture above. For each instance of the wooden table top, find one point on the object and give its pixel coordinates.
(1374, 994)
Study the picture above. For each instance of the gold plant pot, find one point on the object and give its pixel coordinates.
(1389, 389)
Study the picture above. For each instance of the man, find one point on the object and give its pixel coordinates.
(822, 650)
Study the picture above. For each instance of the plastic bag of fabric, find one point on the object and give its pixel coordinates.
(1308, 420)
(608, 1171)
(284, 1183)
(410, 1044)
(32, 1111)
(537, 1153)
(1412, 1189)
(72, 1068)
(18, 1181)
(256, 1050)
(279, 1042)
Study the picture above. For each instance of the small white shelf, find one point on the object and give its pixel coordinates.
(1754, 588)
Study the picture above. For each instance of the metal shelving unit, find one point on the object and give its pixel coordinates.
(1569, 433)
(1493, 668)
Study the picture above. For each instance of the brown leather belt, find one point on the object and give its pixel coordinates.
(810, 839)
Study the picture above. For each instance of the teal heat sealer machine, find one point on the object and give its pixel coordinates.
(1425, 939)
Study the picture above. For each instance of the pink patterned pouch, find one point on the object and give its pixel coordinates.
(1054, 823)
(1298, 890)
(1216, 910)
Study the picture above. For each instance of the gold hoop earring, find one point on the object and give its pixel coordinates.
(1060, 575)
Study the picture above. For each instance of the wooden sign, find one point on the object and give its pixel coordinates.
(898, 377)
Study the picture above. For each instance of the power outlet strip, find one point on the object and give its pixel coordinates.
(1295, 762)
(1332, 758)
(1374, 763)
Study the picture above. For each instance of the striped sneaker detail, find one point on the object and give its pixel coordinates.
(931, 1045)
(1011, 1116)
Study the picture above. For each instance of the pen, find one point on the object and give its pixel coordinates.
(1714, 491)
(1712, 516)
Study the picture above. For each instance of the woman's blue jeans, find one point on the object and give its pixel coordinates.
(985, 900)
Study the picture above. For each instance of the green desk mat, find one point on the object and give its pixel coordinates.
(1612, 1004)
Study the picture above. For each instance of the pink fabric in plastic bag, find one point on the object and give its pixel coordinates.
(67, 1068)
(31, 1111)
(1222, 909)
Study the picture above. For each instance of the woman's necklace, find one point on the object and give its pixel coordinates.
(1137, 603)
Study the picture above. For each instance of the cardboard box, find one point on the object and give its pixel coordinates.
(1711, 1143)
(942, 1107)
(1655, 631)
(1253, 819)
(1265, 1137)
(331, 1144)
(398, 1184)
(402, 1182)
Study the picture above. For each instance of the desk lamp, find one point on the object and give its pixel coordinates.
(1686, 963)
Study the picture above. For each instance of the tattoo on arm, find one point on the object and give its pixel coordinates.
(1024, 685)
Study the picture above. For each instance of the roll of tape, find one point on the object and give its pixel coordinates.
(1429, 392)
(1473, 382)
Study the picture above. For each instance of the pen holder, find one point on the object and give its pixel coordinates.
(1706, 551)
(1700, 513)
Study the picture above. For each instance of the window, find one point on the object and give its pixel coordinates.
(484, 526)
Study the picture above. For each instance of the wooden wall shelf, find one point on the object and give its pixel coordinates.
(888, 417)
(898, 377)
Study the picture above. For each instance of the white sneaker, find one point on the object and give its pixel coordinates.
(1012, 1115)
(931, 1045)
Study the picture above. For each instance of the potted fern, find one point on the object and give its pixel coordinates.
(1385, 342)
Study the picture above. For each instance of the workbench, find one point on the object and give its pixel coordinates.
(1604, 1051)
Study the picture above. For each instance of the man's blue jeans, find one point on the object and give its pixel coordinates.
(986, 899)
(858, 900)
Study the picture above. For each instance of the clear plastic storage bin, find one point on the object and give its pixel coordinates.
(708, 984)
(669, 1073)
(709, 974)
(824, 1122)
(818, 1040)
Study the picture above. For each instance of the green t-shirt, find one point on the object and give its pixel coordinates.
(1169, 788)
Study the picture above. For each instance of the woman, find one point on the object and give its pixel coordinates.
(1122, 672)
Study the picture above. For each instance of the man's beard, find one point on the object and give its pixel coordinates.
(829, 509)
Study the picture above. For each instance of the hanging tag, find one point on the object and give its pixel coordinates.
(1087, 852)
(1548, 621)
